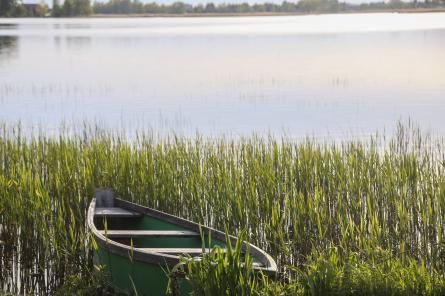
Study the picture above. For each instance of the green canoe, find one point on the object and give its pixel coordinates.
(138, 245)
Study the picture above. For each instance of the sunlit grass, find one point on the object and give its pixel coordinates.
(338, 217)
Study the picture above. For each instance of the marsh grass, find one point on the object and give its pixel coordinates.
(376, 205)
(222, 273)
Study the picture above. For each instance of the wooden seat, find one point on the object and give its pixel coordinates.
(114, 212)
(149, 233)
(180, 251)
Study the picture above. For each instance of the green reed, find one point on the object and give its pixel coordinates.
(296, 200)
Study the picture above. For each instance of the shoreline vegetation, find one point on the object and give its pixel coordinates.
(358, 217)
(136, 8)
(249, 14)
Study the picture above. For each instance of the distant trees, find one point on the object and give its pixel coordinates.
(13, 8)
(303, 6)
(41, 10)
(392, 4)
(8, 7)
(57, 10)
(319, 6)
(71, 8)
(84, 8)
(120, 7)
(134, 6)
(76, 8)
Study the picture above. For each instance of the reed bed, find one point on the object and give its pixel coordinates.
(339, 218)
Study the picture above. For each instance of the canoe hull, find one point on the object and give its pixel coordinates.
(137, 246)
(135, 277)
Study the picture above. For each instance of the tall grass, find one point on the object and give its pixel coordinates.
(322, 210)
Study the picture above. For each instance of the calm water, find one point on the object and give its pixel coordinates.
(336, 75)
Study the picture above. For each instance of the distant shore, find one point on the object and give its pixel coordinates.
(407, 10)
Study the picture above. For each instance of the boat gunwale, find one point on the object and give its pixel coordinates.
(269, 265)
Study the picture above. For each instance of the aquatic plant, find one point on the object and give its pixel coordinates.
(336, 216)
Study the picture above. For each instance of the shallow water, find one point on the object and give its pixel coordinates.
(337, 75)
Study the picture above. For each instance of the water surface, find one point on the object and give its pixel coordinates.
(296, 75)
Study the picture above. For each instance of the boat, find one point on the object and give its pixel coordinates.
(136, 246)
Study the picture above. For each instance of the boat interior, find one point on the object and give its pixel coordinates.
(149, 233)
(147, 230)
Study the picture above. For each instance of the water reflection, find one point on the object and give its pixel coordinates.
(58, 42)
(58, 26)
(124, 72)
(77, 26)
(5, 26)
(78, 42)
(8, 47)
(73, 43)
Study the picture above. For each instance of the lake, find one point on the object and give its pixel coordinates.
(319, 75)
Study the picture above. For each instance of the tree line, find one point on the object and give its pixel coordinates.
(7, 8)
(16, 8)
(302, 6)
(135, 6)
(83, 7)
(71, 8)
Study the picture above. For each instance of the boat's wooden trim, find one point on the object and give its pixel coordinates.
(116, 212)
(149, 256)
(180, 251)
(148, 233)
